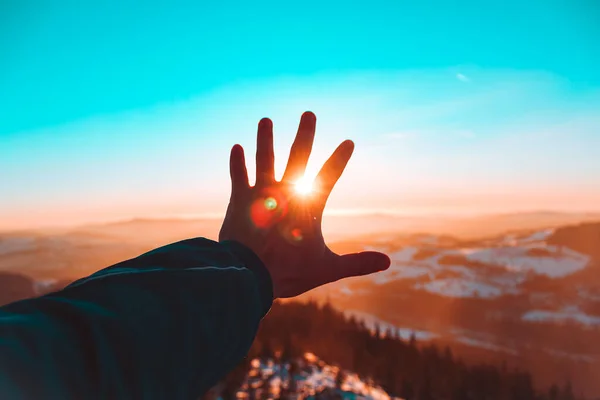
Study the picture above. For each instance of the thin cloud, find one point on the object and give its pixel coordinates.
(462, 78)
(466, 134)
(399, 135)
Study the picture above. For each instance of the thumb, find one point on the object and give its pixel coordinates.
(358, 264)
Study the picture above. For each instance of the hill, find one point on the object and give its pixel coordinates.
(528, 297)
(356, 360)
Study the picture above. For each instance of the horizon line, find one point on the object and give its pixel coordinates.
(352, 213)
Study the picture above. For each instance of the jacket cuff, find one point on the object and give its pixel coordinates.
(251, 261)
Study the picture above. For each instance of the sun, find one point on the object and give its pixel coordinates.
(304, 186)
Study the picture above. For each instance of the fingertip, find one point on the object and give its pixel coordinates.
(237, 158)
(237, 168)
(265, 123)
(348, 145)
(237, 150)
(309, 115)
(359, 264)
(385, 261)
(308, 122)
(378, 261)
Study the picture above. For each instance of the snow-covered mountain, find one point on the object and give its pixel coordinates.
(306, 378)
(532, 295)
(487, 269)
(530, 265)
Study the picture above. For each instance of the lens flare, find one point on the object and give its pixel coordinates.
(268, 208)
(270, 203)
(297, 234)
(304, 186)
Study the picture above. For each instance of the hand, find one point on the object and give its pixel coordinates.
(282, 226)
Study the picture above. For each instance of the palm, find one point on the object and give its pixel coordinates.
(283, 227)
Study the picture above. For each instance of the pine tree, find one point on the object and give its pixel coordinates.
(339, 379)
(553, 393)
(567, 392)
(409, 370)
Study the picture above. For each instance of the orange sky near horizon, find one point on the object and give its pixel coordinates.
(445, 203)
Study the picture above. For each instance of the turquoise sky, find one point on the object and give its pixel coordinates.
(121, 109)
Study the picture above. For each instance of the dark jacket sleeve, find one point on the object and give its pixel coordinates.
(165, 325)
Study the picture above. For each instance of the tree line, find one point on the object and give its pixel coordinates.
(404, 368)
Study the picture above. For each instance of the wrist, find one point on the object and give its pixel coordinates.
(252, 261)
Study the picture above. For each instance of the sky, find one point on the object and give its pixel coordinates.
(127, 109)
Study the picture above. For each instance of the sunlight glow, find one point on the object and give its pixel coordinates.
(304, 186)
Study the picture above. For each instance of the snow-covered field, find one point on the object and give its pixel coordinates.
(16, 244)
(489, 271)
(556, 263)
(570, 314)
(517, 268)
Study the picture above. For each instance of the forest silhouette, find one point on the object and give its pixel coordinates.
(403, 368)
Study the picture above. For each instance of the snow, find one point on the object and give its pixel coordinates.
(16, 244)
(407, 333)
(401, 272)
(404, 255)
(346, 290)
(510, 240)
(593, 295)
(509, 266)
(480, 339)
(460, 288)
(538, 236)
(313, 376)
(535, 237)
(371, 321)
(567, 314)
(577, 357)
(354, 384)
(42, 286)
(516, 259)
(485, 345)
(414, 271)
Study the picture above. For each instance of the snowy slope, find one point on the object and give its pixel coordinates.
(487, 269)
(308, 378)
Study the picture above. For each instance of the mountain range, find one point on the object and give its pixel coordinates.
(520, 289)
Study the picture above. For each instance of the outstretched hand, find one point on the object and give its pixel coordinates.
(282, 226)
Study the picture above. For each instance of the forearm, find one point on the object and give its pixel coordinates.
(167, 324)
